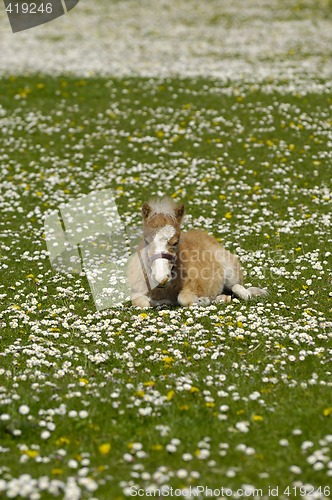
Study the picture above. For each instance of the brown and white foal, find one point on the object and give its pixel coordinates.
(187, 268)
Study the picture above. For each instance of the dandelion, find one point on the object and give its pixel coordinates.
(104, 448)
(31, 453)
(257, 418)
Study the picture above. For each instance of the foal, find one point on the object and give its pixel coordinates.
(188, 268)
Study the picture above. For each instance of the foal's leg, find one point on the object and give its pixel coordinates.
(186, 298)
(248, 293)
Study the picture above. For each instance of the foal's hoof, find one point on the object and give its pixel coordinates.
(203, 301)
(142, 302)
(223, 298)
(187, 298)
(258, 292)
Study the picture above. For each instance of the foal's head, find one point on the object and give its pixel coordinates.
(162, 219)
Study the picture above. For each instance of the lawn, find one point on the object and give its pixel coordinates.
(105, 404)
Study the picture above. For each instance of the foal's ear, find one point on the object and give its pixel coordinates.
(179, 211)
(146, 209)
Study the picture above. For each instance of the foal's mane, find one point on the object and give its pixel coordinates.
(162, 206)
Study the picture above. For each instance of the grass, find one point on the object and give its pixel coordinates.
(92, 401)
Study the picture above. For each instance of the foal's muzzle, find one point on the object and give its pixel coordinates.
(163, 255)
(167, 256)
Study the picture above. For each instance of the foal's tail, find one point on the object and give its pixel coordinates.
(249, 293)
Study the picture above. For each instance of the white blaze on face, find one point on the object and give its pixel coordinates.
(161, 267)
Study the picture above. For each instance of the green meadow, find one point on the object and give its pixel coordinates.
(127, 402)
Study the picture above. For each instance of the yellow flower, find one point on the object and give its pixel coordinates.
(80, 83)
(193, 389)
(327, 411)
(104, 448)
(168, 359)
(257, 418)
(24, 92)
(157, 447)
(170, 395)
(57, 472)
(139, 394)
(228, 215)
(63, 441)
(31, 453)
